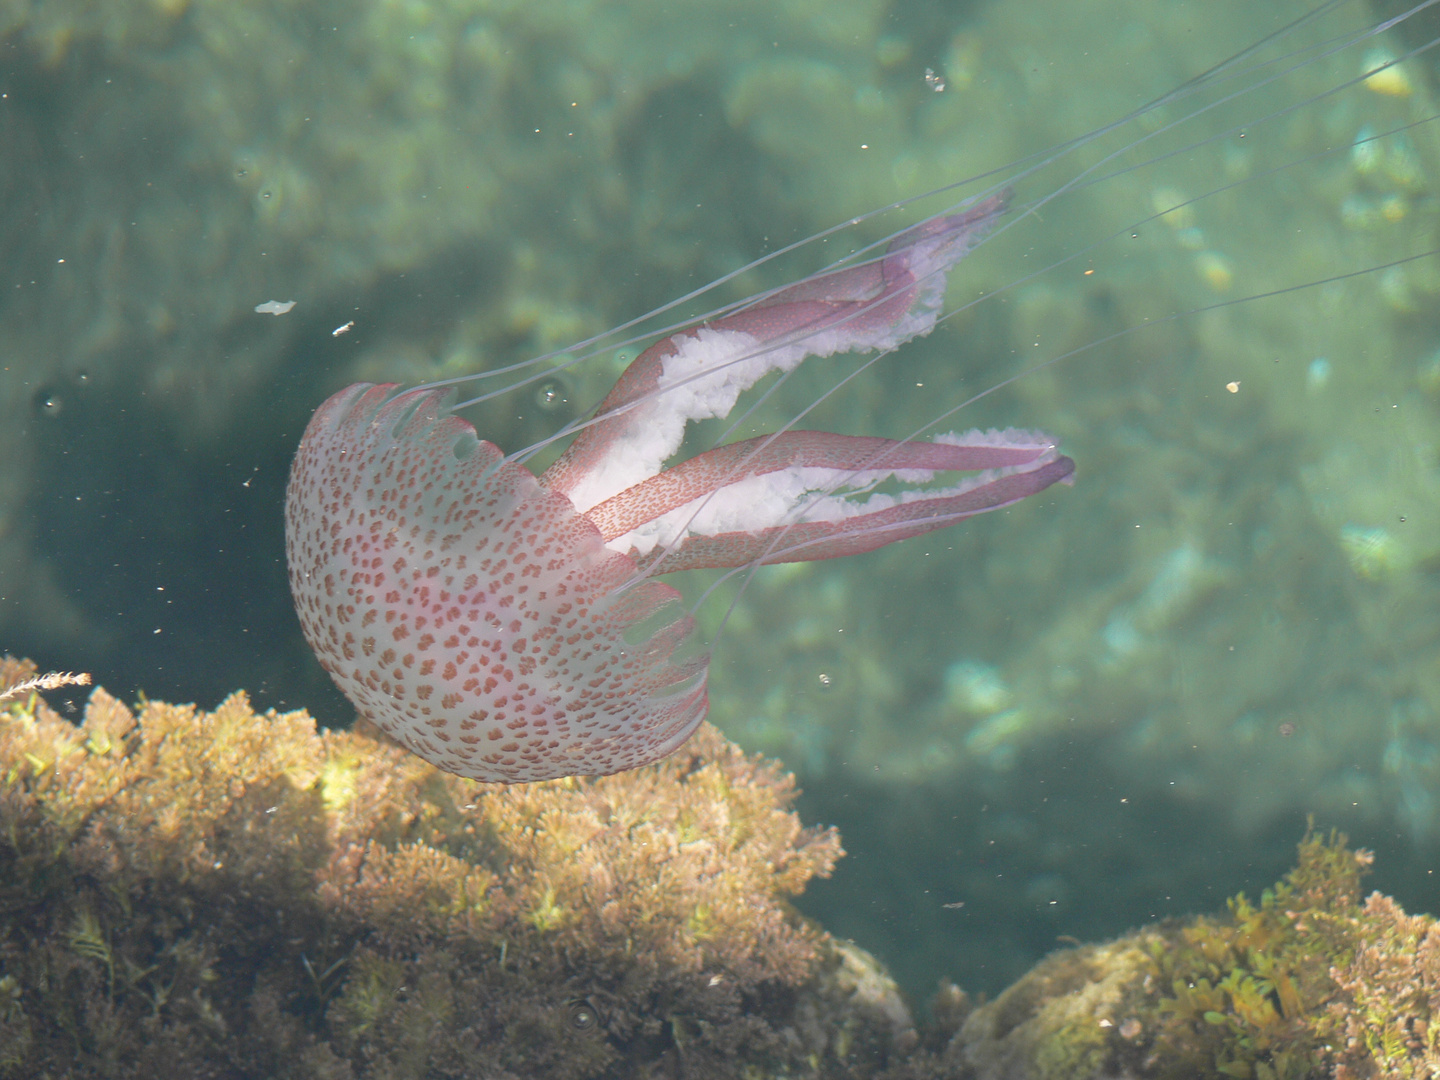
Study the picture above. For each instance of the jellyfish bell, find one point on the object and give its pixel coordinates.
(504, 620)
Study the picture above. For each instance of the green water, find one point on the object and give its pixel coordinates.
(1110, 703)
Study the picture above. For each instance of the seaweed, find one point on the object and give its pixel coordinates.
(234, 894)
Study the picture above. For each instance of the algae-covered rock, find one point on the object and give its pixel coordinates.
(227, 894)
(1309, 982)
(236, 895)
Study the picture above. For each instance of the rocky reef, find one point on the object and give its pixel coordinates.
(233, 894)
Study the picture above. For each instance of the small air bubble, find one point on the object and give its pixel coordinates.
(551, 394)
(49, 403)
(582, 1016)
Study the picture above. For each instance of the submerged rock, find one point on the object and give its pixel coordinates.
(1308, 982)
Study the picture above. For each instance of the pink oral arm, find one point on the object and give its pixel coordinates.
(874, 297)
(867, 301)
(808, 541)
(707, 472)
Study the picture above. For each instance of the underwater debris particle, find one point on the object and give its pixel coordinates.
(274, 307)
(52, 681)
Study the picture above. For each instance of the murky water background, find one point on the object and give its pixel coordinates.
(1110, 703)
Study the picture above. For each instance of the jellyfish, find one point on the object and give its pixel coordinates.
(512, 627)
(507, 627)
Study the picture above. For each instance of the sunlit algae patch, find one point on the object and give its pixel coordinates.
(237, 895)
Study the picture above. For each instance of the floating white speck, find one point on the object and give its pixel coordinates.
(343, 329)
(274, 307)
